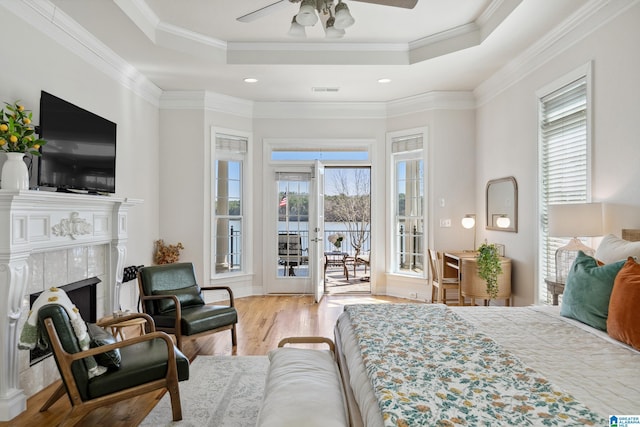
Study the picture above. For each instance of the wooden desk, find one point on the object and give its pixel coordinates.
(555, 288)
(464, 264)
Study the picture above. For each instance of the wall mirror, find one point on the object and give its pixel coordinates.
(502, 204)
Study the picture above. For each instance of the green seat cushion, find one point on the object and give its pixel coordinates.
(100, 337)
(588, 290)
(189, 296)
(199, 319)
(142, 362)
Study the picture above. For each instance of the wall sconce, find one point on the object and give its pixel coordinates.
(469, 222)
(573, 220)
(503, 221)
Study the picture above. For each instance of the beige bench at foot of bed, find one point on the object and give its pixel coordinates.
(303, 387)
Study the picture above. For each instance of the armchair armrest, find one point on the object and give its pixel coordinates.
(66, 359)
(176, 302)
(221, 288)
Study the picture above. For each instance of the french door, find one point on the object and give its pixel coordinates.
(294, 254)
(316, 245)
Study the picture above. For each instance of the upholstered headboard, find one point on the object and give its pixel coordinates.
(631, 234)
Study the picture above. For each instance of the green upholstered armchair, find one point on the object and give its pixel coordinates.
(170, 294)
(143, 364)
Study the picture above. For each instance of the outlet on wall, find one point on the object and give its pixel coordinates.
(445, 222)
(413, 295)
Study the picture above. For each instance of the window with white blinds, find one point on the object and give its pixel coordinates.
(228, 216)
(564, 162)
(409, 205)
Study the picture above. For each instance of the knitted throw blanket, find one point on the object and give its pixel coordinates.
(31, 334)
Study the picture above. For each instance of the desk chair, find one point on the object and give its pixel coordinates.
(439, 283)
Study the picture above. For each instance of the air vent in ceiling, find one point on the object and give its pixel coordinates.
(325, 89)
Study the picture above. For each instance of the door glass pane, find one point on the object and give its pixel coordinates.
(293, 228)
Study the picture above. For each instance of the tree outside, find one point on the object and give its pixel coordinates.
(348, 200)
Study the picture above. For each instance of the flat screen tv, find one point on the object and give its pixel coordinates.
(80, 153)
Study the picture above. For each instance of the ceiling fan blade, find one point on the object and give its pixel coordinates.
(264, 11)
(407, 4)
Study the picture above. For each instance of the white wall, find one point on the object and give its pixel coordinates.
(507, 138)
(186, 120)
(36, 63)
(450, 178)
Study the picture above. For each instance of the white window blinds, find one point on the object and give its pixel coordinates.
(564, 160)
(231, 144)
(406, 143)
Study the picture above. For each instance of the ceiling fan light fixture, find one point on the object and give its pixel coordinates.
(307, 14)
(331, 32)
(297, 30)
(343, 16)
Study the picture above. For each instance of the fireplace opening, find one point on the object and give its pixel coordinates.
(81, 293)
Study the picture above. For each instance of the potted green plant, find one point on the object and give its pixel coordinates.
(489, 267)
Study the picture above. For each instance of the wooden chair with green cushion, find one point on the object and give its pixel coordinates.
(169, 293)
(138, 365)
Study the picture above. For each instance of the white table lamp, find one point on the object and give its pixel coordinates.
(573, 220)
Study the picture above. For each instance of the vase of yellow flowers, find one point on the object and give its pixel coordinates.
(17, 138)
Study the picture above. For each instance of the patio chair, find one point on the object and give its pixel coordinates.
(290, 252)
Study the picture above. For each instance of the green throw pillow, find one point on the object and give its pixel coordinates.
(99, 337)
(588, 290)
(188, 297)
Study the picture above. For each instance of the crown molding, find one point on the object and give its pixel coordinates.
(445, 42)
(209, 101)
(58, 26)
(320, 110)
(142, 16)
(581, 24)
(199, 100)
(439, 100)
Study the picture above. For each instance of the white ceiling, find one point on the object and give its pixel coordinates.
(199, 45)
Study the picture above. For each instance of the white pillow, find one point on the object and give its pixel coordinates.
(303, 388)
(613, 248)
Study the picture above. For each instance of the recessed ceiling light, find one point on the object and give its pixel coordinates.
(385, 80)
(251, 80)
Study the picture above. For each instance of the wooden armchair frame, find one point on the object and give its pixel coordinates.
(309, 340)
(176, 329)
(79, 407)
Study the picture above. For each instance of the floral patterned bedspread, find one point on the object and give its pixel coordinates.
(429, 367)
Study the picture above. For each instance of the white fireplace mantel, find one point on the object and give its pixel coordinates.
(38, 221)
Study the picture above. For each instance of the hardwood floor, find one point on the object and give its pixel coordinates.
(264, 321)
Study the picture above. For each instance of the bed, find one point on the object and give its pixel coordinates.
(435, 365)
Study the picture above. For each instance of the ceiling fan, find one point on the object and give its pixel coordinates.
(319, 5)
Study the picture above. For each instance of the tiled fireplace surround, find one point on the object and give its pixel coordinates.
(52, 239)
